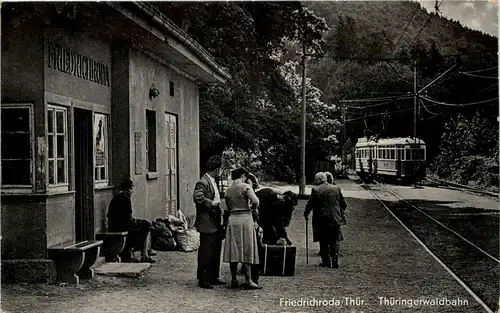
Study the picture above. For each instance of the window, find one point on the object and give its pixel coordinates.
(151, 140)
(172, 89)
(17, 145)
(408, 154)
(101, 148)
(57, 145)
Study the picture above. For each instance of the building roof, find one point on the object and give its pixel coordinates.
(177, 46)
(400, 141)
(364, 142)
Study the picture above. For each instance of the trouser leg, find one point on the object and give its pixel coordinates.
(206, 252)
(333, 246)
(214, 266)
(324, 250)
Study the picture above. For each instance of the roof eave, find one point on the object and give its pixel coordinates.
(216, 71)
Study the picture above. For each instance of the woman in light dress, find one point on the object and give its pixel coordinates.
(241, 240)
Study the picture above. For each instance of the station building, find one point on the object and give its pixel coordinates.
(93, 93)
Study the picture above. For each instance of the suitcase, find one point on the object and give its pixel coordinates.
(277, 260)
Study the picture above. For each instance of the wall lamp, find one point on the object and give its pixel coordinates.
(153, 92)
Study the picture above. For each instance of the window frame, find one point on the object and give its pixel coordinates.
(24, 188)
(408, 154)
(57, 108)
(101, 182)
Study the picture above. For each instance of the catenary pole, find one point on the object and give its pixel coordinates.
(302, 186)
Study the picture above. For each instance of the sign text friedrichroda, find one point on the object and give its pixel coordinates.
(73, 63)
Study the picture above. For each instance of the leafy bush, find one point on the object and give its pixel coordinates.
(469, 152)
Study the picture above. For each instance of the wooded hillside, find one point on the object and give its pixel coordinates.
(363, 50)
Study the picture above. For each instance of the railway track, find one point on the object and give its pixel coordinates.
(450, 185)
(471, 260)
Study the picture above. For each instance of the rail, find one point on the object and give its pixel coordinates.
(441, 262)
(451, 185)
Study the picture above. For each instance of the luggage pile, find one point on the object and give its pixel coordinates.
(172, 233)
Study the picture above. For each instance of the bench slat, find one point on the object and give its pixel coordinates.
(78, 246)
(63, 246)
(105, 234)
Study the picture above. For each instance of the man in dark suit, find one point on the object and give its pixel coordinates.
(209, 224)
(328, 206)
(331, 180)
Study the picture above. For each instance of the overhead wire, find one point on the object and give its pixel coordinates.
(457, 104)
(375, 99)
(436, 7)
(377, 104)
(478, 76)
(482, 70)
(392, 67)
(488, 88)
(435, 103)
(423, 105)
(408, 24)
(384, 113)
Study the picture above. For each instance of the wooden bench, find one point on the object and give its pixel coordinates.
(113, 245)
(73, 260)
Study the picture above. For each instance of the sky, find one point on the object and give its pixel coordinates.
(476, 14)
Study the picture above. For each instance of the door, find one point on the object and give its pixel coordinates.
(171, 163)
(84, 178)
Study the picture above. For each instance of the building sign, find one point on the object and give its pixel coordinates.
(73, 63)
(101, 147)
(138, 153)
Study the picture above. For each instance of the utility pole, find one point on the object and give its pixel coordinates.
(344, 140)
(302, 186)
(414, 120)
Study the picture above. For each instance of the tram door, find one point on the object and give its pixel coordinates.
(399, 157)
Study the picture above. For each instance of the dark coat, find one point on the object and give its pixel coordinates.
(119, 213)
(275, 213)
(328, 205)
(276, 209)
(208, 218)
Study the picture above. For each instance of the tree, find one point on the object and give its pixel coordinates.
(248, 38)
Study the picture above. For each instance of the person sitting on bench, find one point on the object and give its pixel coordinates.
(120, 219)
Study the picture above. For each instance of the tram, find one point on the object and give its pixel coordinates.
(403, 159)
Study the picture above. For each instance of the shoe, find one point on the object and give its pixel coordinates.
(234, 284)
(218, 282)
(205, 285)
(151, 253)
(335, 265)
(147, 260)
(324, 265)
(251, 287)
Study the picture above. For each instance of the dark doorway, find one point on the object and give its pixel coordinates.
(84, 178)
